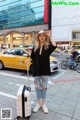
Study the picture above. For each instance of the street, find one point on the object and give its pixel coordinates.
(61, 85)
(60, 56)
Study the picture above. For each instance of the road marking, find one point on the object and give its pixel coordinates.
(11, 83)
(21, 77)
(31, 85)
(66, 80)
(18, 85)
(31, 78)
(16, 76)
(11, 96)
(50, 82)
(58, 75)
(7, 95)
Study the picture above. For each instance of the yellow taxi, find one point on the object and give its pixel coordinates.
(58, 50)
(16, 57)
(67, 50)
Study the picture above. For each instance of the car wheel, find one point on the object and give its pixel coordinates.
(1, 65)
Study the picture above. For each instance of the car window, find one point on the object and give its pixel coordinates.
(77, 47)
(14, 52)
(19, 52)
(7, 51)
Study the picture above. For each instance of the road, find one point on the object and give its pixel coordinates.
(11, 80)
(60, 56)
(14, 78)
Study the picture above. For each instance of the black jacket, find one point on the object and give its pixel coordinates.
(42, 62)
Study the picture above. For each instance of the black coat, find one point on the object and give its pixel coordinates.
(42, 62)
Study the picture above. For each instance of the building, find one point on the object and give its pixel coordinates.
(22, 20)
(20, 15)
(3, 19)
(66, 24)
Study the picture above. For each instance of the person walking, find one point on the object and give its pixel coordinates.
(40, 58)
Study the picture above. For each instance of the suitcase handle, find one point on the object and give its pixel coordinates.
(28, 75)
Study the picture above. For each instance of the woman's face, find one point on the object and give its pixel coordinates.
(42, 37)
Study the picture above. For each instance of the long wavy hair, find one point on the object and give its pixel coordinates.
(46, 41)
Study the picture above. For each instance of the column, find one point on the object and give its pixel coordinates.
(23, 38)
(11, 40)
(33, 37)
(3, 40)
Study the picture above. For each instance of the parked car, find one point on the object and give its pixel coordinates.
(54, 64)
(79, 51)
(78, 57)
(67, 50)
(58, 50)
(16, 57)
(29, 49)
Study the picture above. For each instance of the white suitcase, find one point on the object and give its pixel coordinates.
(23, 100)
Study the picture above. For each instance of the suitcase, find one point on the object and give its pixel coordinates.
(23, 101)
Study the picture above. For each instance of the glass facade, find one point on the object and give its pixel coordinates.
(19, 13)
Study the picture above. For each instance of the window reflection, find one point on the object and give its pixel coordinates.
(18, 13)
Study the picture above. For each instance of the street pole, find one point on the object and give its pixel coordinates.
(49, 14)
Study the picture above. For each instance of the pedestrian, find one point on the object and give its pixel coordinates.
(40, 57)
(73, 57)
(74, 53)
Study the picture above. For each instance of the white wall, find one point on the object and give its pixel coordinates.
(65, 19)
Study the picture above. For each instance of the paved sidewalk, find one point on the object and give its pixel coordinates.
(63, 99)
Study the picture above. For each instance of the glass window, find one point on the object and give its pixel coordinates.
(18, 13)
(7, 51)
(19, 52)
(76, 35)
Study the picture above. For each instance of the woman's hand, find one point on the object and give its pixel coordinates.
(52, 41)
(27, 61)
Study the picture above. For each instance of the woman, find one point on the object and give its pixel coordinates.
(40, 57)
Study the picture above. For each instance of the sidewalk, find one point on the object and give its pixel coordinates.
(63, 99)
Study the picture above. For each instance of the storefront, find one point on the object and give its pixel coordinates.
(14, 39)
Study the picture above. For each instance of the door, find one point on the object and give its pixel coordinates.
(21, 57)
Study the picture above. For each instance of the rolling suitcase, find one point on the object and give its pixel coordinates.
(23, 100)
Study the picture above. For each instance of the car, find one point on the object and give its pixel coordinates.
(67, 50)
(54, 64)
(78, 57)
(58, 50)
(79, 51)
(16, 57)
(29, 49)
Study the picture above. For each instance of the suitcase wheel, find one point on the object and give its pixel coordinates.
(18, 117)
(28, 117)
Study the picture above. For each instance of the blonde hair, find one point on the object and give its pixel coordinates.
(46, 42)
